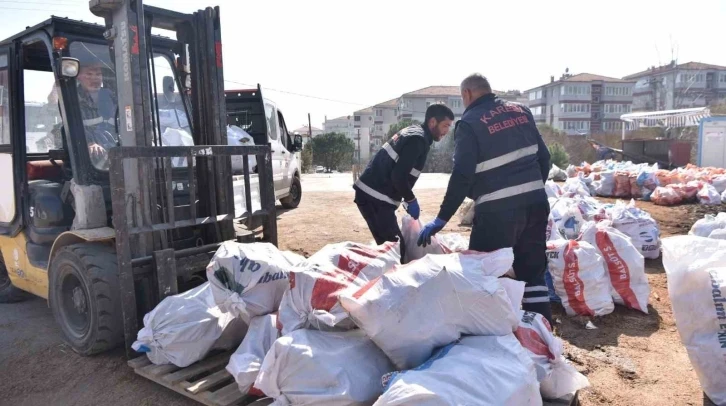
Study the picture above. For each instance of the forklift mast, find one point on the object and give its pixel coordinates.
(146, 214)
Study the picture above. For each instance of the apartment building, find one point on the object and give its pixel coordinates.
(678, 86)
(582, 104)
(305, 131)
(342, 125)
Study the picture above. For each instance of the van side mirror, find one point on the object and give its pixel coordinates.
(298, 142)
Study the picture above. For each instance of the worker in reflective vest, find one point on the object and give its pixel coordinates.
(391, 174)
(501, 162)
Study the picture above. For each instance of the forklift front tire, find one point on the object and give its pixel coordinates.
(84, 297)
(8, 292)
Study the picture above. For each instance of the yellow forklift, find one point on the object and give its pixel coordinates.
(102, 212)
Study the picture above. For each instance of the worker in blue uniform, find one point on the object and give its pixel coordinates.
(501, 162)
(391, 174)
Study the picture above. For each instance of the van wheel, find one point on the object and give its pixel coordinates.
(84, 297)
(8, 292)
(293, 200)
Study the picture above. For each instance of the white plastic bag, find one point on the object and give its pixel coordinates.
(571, 222)
(433, 301)
(173, 137)
(440, 244)
(580, 279)
(472, 371)
(575, 187)
(183, 328)
(719, 234)
(248, 280)
(466, 213)
(557, 377)
(312, 298)
(624, 263)
(557, 174)
(639, 226)
(239, 137)
(553, 231)
(310, 367)
(719, 183)
(705, 226)
(245, 363)
(697, 289)
(708, 195)
(606, 188)
(553, 189)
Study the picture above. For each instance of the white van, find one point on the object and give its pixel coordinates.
(264, 122)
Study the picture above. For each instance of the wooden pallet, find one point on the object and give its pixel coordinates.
(209, 383)
(206, 381)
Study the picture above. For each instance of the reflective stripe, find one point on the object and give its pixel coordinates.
(536, 299)
(511, 191)
(95, 121)
(507, 158)
(415, 173)
(393, 154)
(378, 195)
(536, 289)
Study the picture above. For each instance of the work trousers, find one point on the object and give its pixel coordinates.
(524, 230)
(381, 219)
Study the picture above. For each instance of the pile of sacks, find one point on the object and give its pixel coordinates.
(710, 226)
(596, 255)
(351, 325)
(642, 181)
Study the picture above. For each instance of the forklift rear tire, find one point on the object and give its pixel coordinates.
(8, 292)
(84, 297)
(293, 199)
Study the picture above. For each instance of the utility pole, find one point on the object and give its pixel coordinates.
(310, 139)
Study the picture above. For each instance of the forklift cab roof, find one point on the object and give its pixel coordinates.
(76, 29)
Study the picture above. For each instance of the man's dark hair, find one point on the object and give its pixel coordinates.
(439, 112)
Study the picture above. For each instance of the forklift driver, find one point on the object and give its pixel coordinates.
(97, 109)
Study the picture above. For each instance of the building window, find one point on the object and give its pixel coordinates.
(618, 91)
(722, 78)
(690, 77)
(379, 113)
(574, 90)
(536, 111)
(357, 118)
(535, 94)
(455, 103)
(575, 107)
(575, 125)
(617, 108)
(612, 126)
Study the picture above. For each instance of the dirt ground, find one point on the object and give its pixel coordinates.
(630, 359)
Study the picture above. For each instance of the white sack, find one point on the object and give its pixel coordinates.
(624, 264)
(719, 183)
(238, 137)
(172, 137)
(553, 232)
(719, 234)
(639, 226)
(318, 368)
(723, 197)
(606, 187)
(312, 298)
(440, 244)
(245, 363)
(553, 189)
(183, 328)
(466, 212)
(705, 226)
(473, 371)
(697, 289)
(571, 222)
(557, 377)
(708, 195)
(579, 277)
(248, 280)
(433, 301)
(557, 174)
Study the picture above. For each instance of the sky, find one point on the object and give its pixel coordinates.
(330, 58)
